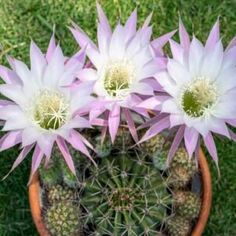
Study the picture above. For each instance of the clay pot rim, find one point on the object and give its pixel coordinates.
(35, 201)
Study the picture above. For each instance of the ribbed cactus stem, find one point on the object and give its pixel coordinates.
(120, 200)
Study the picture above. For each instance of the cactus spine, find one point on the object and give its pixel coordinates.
(62, 219)
(127, 196)
(187, 204)
(178, 226)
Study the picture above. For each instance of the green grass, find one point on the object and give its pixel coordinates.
(21, 20)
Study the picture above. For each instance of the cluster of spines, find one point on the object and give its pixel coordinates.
(178, 226)
(63, 219)
(182, 169)
(128, 197)
(187, 204)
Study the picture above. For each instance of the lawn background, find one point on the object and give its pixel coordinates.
(21, 20)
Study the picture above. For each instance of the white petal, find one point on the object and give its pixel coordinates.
(14, 93)
(87, 74)
(142, 88)
(117, 44)
(178, 72)
(212, 62)
(54, 69)
(29, 136)
(195, 57)
(16, 124)
(226, 79)
(169, 106)
(167, 83)
(37, 61)
(95, 57)
(22, 71)
(176, 119)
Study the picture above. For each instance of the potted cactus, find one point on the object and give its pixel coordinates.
(116, 139)
(128, 192)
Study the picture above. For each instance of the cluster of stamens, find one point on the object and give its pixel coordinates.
(117, 79)
(198, 97)
(50, 109)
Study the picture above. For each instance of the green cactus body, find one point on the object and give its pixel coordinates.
(60, 193)
(188, 204)
(50, 175)
(125, 197)
(182, 169)
(178, 226)
(103, 149)
(154, 144)
(181, 159)
(123, 140)
(62, 219)
(179, 177)
(160, 160)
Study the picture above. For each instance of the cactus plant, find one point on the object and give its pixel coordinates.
(124, 196)
(178, 226)
(103, 149)
(187, 204)
(182, 169)
(181, 159)
(63, 219)
(154, 144)
(179, 177)
(61, 193)
(50, 174)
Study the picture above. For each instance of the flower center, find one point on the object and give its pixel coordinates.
(199, 97)
(118, 77)
(50, 109)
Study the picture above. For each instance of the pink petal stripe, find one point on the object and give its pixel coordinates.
(10, 140)
(4, 103)
(131, 24)
(147, 21)
(232, 135)
(85, 141)
(80, 56)
(155, 129)
(184, 37)
(231, 44)
(51, 48)
(66, 154)
(19, 159)
(81, 37)
(114, 121)
(211, 147)
(231, 122)
(131, 124)
(190, 139)
(77, 142)
(176, 142)
(11, 62)
(8, 76)
(150, 103)
(160, 42)
(152, 121)
(214, 36)
(98, 122)
(36, 160)
(103, 20)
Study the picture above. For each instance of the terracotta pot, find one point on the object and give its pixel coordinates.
(35, 200)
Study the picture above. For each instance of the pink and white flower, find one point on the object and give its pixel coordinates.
(43, 108)
(201, 87)
(123, 64)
